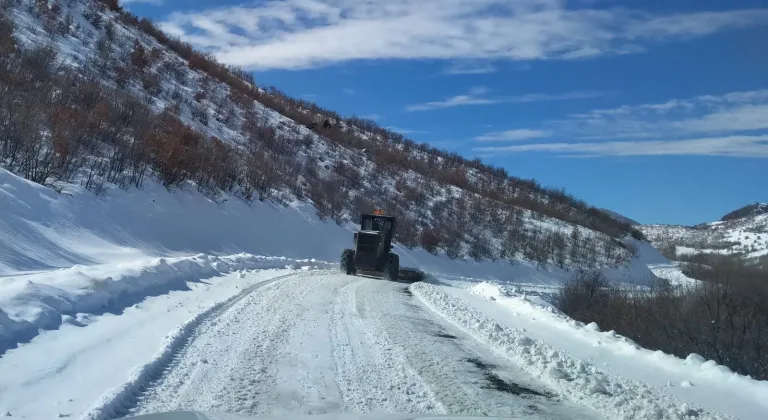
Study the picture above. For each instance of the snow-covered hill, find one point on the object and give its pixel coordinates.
(163, 111)
(743, 232)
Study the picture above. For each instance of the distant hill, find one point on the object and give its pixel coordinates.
(746, 211)
(742, 232)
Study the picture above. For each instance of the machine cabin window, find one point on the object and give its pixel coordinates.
(376, 224)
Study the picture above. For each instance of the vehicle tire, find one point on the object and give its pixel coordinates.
(393, 267)
(348, 262)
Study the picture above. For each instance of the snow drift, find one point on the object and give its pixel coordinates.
(45, 300)
(615, 396)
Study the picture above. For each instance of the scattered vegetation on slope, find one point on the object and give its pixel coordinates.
(143, 104)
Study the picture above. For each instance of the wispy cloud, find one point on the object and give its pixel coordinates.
(372, 117)
(735, 146)
(742, 118)
(459, 100)
(296, 34)
(476, 96)
(712, 114)
(542, 97)
(348, 91)
(405, 130)
(686, 25)
(469, 67)
(731, 124)
(513, 135)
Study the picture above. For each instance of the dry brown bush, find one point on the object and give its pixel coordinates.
(724, 319)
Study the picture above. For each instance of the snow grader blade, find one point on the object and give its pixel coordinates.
(411, 274)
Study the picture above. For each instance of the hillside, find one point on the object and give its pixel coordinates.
(98, 97)
(170, 240)
(742, 233)
(748, 211)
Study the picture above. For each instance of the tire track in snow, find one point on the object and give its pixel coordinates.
(262, 356)
(372, 375)
(321, 342)
(119, 401)
(444, 370)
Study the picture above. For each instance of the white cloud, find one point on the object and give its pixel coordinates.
(542, 97)
(735, 146)
(475, 97)
(348, 91)
(513, 135)
(372, 117)
(459, 100)
(295, 34)
(731, 124)
(405, 130)
(742, 118)
(712, 114)
(469, 67)
(745, 97)
(691, 24)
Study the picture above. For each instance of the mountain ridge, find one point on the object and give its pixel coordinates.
(742, 233)
(746, 211)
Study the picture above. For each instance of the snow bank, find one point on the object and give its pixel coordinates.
(613, 396)
(43, 230)
(693, 379)
(30, 302)
(65, 372)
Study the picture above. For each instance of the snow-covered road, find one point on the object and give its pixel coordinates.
(320, 342)
(303, 340)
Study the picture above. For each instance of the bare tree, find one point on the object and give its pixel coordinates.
(559, 247)
(576, 247)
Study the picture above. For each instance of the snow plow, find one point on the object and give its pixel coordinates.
(372, 253)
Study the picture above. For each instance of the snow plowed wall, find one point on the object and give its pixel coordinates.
(42, 229)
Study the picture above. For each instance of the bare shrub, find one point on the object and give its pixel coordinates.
(429, 240)
(724, 319)
(406, 232)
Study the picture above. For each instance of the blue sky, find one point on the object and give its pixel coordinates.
(656, 109)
